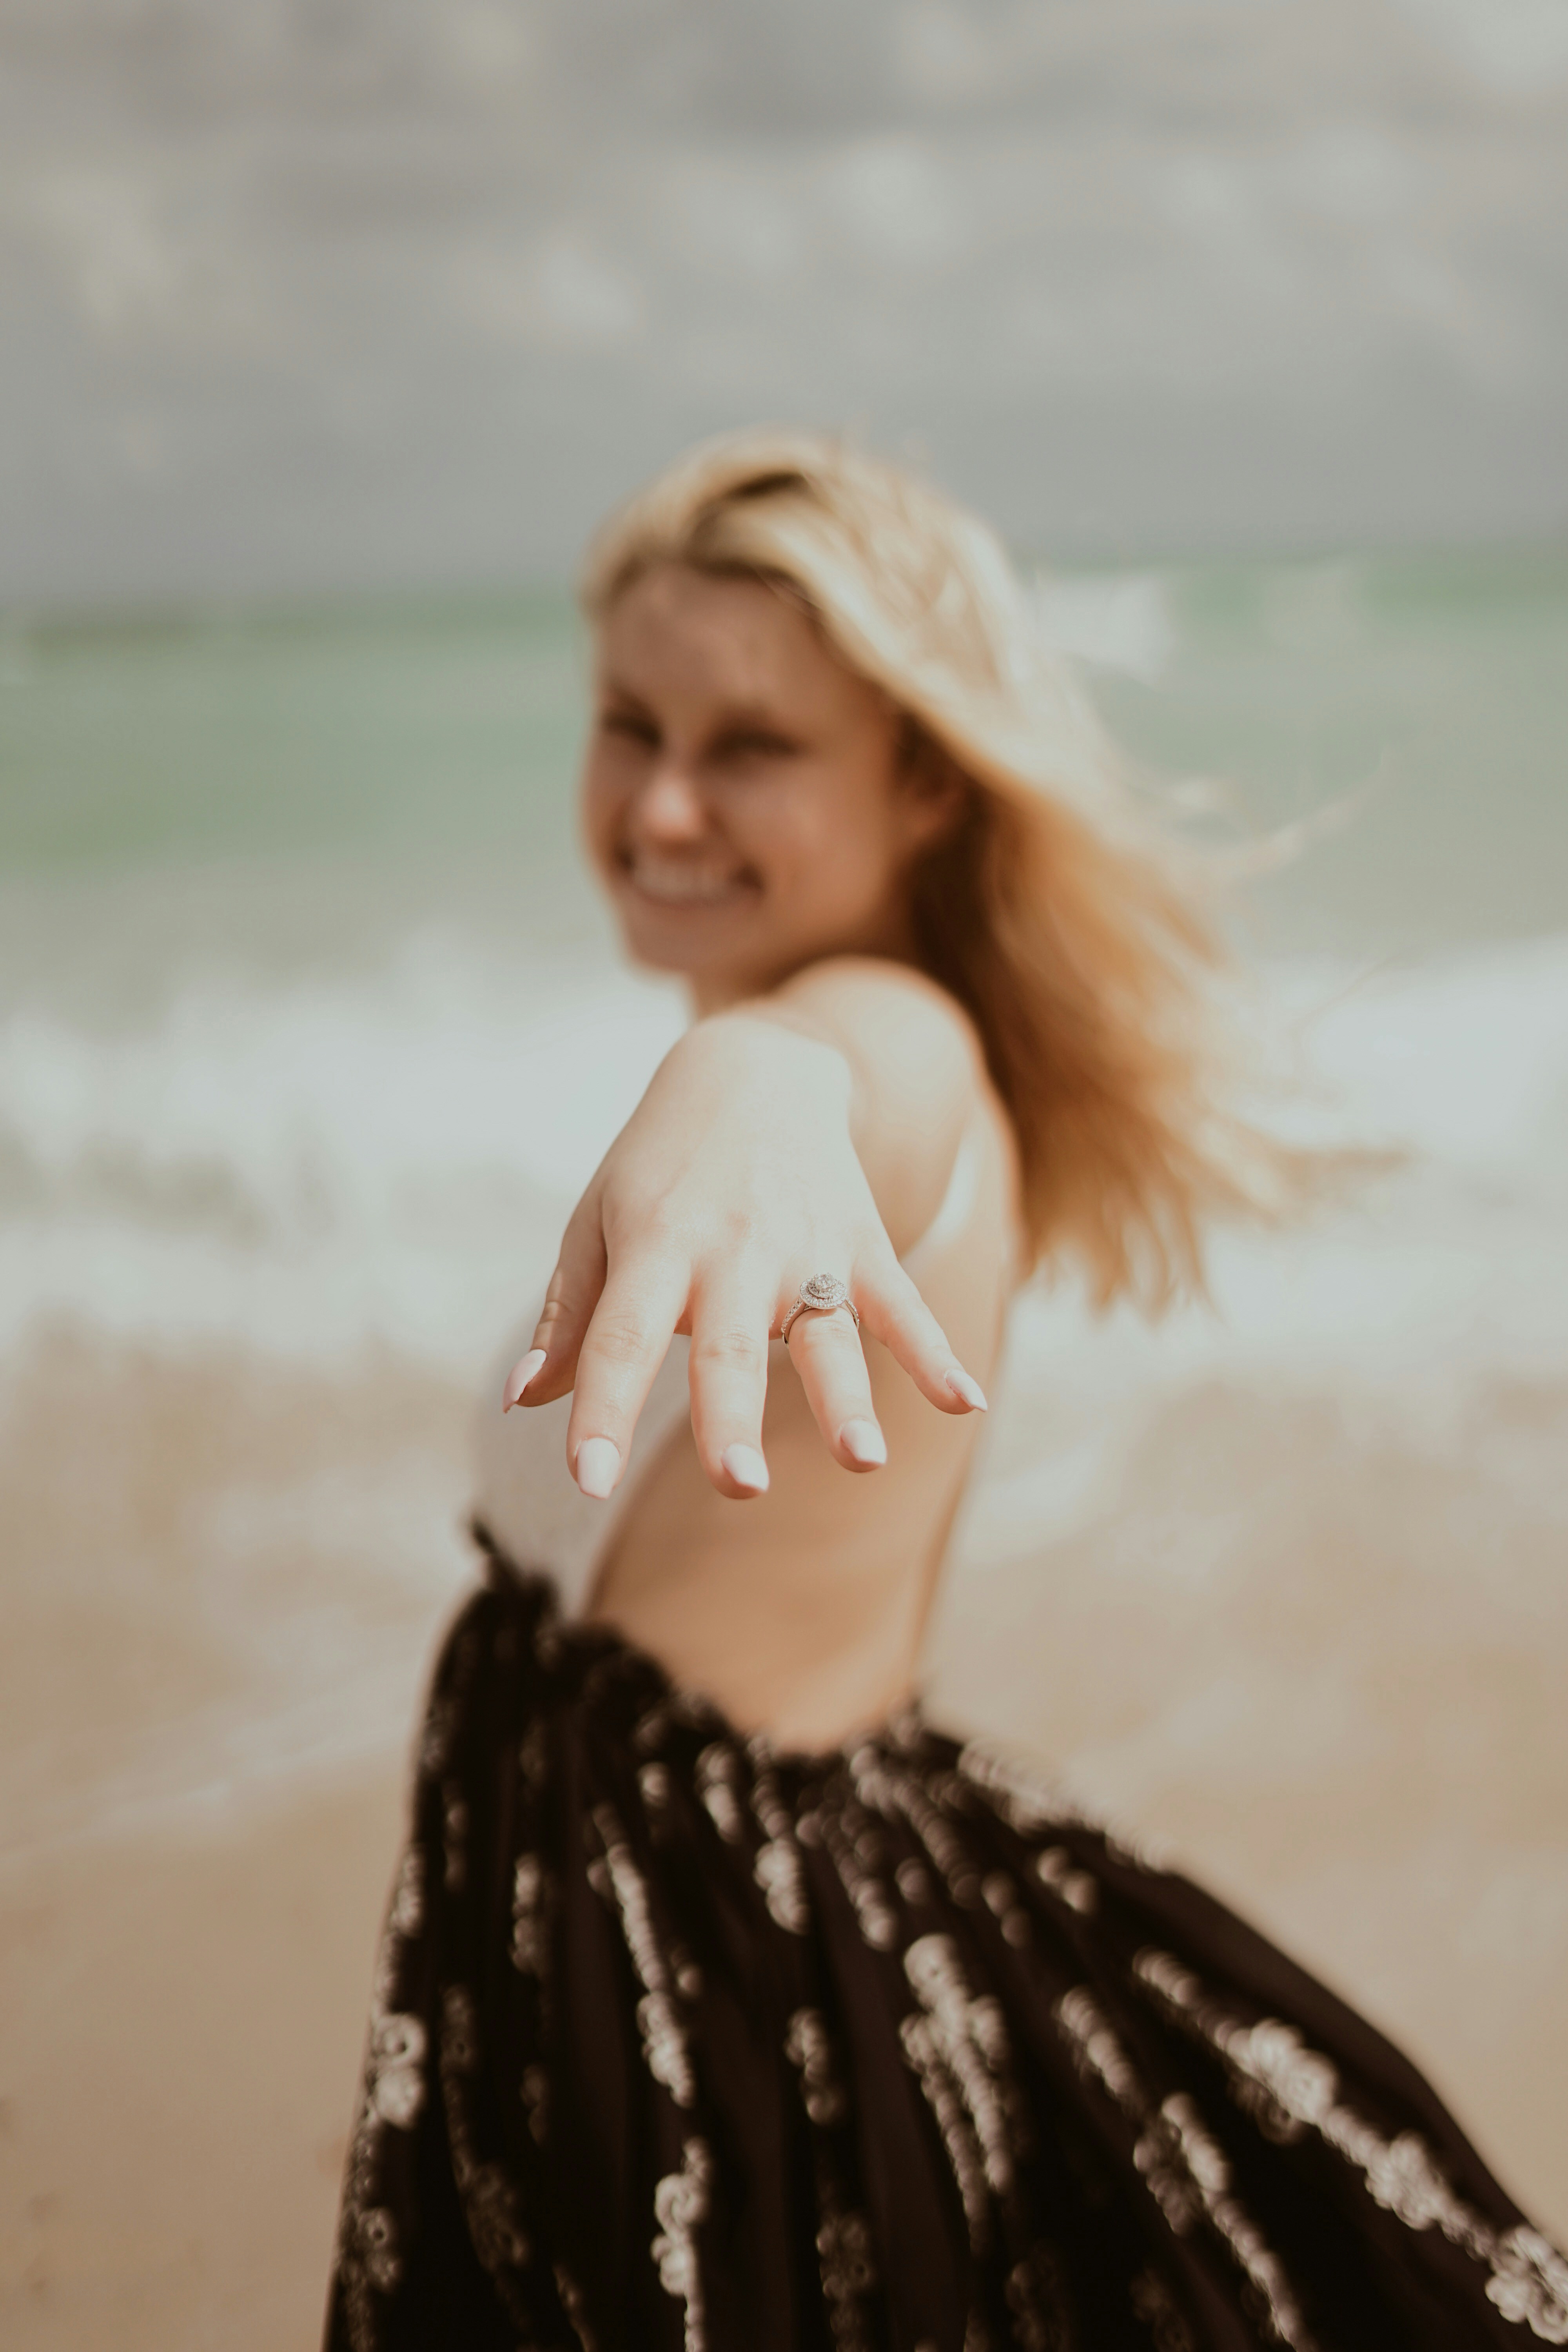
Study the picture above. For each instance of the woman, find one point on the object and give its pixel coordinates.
(723, 2002)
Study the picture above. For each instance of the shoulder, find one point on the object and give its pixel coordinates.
(905, 1034)
(919, 1076)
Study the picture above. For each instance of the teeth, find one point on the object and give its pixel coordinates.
(679, 885)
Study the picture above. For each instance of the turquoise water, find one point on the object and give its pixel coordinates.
(385, 727)
(1432, 691)
(428, 747)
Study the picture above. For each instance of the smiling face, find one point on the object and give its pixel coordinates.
(744, 798)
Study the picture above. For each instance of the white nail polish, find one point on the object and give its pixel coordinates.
(518, 1378)
(864, 1443)
(746, 1467)
(972, 1394)
(598, 1466)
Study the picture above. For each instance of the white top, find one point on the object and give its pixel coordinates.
(524, 1492)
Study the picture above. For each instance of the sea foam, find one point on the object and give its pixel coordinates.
(388, 1158)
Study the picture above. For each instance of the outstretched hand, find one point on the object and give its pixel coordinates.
(735, 1180)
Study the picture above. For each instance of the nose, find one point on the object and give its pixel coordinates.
(669, 808)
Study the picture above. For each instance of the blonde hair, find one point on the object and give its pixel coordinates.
(1061, 913)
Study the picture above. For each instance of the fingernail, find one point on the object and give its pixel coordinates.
(746, 1467)
(518, 1378)
(972, 1393)
(864, 1442)
(598, 1467)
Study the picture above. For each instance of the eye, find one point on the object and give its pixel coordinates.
(630, 726)
(755, 743)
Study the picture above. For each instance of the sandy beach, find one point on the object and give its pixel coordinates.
(1294, 1676)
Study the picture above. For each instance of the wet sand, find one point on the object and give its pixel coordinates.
(203, 1708)
(182, 2014)
(1270, 1646)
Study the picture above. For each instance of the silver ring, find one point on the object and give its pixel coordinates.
(820, 1294)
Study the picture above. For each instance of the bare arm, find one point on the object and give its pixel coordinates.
(813, 1129)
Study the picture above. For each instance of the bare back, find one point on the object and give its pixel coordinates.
(803, 1613)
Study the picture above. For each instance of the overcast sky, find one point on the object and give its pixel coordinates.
(307, 293)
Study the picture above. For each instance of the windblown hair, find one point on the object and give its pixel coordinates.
(1062, 913)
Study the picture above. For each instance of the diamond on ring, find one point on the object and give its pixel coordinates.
(819, 1294)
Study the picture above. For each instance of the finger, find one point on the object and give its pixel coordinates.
(624, 1344)
(527, 1367)
(549, 1367)
(894, 1312)
(826, 1352)
(731, 1319)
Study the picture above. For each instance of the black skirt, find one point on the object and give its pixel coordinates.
(677, 2041)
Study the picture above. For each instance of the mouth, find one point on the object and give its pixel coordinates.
(687, 882)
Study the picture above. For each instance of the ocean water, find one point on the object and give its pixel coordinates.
(311, 1027)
